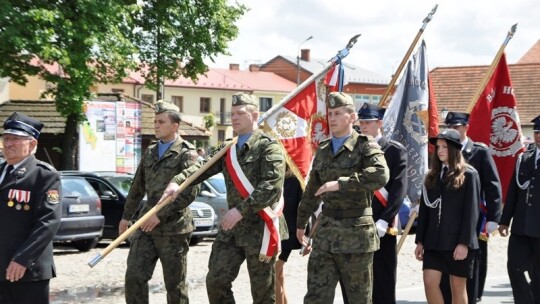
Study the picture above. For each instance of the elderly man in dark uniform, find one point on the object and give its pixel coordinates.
(165, 235)
(522, 207)
(30, 213)
(478, 155)
(254, 171)
(347, 169)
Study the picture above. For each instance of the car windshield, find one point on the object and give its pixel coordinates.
(76, 187)
(218, 182)
(122, 183)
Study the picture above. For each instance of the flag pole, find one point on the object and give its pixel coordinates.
(407, 55)
(340, 55)
(491, 69)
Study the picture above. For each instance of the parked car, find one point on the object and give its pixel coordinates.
(82, 222)
(214, 193)
(113, 188)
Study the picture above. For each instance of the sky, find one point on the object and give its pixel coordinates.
(461, 33)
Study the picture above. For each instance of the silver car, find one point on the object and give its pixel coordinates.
(214, 193)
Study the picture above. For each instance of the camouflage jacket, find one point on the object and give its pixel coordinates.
(360, 168)
(151, 179)
(262, 160)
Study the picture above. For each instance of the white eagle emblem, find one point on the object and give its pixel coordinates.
(503, 131)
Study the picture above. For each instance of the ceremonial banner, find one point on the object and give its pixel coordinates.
(497, 106)
(407, 119)
(301, 125)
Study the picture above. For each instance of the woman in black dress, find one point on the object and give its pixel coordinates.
(446, 231)
(292, 194)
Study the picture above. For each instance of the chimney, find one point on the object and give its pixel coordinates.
(234, 66)
(304, 54)
(254, 68)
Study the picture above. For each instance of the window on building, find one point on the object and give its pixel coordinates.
(265, 103)
(221, 135)
(147, 97)
(116, 90)
(179, 102)
(205, 105)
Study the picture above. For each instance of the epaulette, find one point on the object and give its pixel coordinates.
(269, 137)
(186, 144)
(45, 165)
(480, 144)
(396, 143)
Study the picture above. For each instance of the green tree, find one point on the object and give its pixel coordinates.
(76, 44)
(209, 121)
(175, 36)
(70, 44)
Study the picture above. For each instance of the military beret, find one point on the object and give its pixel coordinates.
(450, 135)
(536, 121)
(456, 119)
(163, 106)
(338, 99)
(240, 99)
(371, 112)
(22, 125)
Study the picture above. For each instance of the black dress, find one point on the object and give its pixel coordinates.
(292, 194)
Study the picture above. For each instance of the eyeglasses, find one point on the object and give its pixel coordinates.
(16, 138)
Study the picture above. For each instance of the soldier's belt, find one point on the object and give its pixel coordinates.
(346, 213)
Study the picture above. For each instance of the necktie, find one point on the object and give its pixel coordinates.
(445, 173)
(9, 168)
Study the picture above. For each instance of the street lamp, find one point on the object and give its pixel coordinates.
(444, 112)
(298, 60)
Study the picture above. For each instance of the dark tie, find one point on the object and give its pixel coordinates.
(445, 173)
(9, 168)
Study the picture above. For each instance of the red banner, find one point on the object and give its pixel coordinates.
(497, 106)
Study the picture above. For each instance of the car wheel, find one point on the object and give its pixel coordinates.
(85, 245)
(195, 240)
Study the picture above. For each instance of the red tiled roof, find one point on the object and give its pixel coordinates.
(532, 55)
(226, 79)
(455, 86)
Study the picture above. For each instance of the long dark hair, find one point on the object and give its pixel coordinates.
(456, 170)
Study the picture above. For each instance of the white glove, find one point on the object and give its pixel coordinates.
(416, 209)
(491, 226)
(381, 225)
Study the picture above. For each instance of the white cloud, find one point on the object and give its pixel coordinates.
(462, 32)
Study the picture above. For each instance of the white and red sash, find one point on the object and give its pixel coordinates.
(382, 195)
(271, 242)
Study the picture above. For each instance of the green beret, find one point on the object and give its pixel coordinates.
(244, 99)
(339, 99)
(163, 106)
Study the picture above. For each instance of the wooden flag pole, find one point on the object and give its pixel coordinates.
(407, 55)
(413, 217)
(491, 69)
(159, 206)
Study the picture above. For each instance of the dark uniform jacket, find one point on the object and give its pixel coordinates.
(27, 232)
(478, 156)
(360, 168)
(395, 155)
(458, 217)
(523, 205)
(152, 177)
(263, 162)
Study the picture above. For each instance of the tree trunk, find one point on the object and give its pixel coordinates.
(70, 144)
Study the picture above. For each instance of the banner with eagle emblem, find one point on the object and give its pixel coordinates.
(497, 105)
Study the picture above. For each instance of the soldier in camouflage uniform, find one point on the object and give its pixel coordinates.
(347, 168)
(165, 235)
(262, 161)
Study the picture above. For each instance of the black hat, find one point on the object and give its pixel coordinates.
(339, 99)
(370, 112)
(451, 136)
(456, 119)
(22, 125)
(536, 127)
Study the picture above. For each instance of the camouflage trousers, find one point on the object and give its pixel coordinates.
(325, 269)
(224, 265)
(144, 252)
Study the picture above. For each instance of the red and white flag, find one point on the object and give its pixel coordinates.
(497, 105)
(301, 124)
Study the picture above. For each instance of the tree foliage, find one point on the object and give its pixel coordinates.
(74, 44)
(175, 36)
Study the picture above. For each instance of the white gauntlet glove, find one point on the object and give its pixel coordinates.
(381, 225)
(491, 226)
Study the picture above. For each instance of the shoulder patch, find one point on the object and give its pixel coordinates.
(53, 197)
